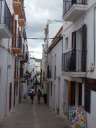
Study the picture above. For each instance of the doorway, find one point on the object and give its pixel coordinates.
(80, 94)
(72, 98)
(10, 96)
(58, 105)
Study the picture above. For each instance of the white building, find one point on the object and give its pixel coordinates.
(75, 77)
(12, 22)
(79, 55)
(54, 74)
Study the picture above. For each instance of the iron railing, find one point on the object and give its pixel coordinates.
(74, 61)
(5, 15)
(68, 4)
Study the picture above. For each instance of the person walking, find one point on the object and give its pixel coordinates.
(32, 97)
(45, 93)
(39, 96)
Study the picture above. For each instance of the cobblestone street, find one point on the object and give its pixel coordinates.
(35, 115)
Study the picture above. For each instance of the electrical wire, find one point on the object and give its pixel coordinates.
(39, 38)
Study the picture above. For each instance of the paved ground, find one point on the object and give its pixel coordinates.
(35, 115)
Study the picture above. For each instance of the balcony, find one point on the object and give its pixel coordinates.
(74, 62)
(73, 9)
(20, 46)
(6, 20)
(22, 20)
(15, 48)
(18, 6)
(17, 80)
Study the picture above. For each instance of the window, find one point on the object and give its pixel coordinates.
(66, 43)
(54, 72)
(87, 100)
(51, 88)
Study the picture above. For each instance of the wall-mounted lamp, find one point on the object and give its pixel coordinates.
(9, 66)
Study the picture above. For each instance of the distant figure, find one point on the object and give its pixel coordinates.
(45, 93)
(39, 96)
(32, 97)
(45, 98)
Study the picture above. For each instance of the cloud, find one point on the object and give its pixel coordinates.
(37, 14)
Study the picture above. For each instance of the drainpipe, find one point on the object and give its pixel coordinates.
(7, 80)
(62, 53)
(94, 35)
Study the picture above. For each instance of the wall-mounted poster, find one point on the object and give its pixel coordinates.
(77, 117)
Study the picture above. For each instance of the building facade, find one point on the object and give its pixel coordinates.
(13, 53)
(71, 70)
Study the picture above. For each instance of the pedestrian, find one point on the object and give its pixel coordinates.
(39, 96)
(45, 93)
(45, 98)
(32, 97)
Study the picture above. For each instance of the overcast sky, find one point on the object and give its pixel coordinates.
(38, 12)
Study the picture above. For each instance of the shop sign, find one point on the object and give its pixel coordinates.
(77, 117)
(90, 84)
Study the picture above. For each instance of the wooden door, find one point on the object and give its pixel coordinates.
(14, 95)
(10, 96)
(16, 36)
(84, 47)
(80, 94)
(72, 93)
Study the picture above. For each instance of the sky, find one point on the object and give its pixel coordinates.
(38, 12)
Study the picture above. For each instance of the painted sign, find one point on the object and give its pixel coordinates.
(77, 117)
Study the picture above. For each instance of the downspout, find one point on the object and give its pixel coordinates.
(92, 67)
(94, 36)
(62, 53)
(7, 80)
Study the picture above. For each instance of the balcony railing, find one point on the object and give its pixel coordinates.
(74, 61)
(68, 4)
(5, 15)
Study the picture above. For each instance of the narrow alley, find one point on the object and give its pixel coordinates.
(32, 115)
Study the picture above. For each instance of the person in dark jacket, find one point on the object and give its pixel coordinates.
(32, 97)
(39, 96)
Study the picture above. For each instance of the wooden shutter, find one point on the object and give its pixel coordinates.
(18, 37)
(87, 100)
(84, 48)
(13, 29)
(74, 40)
(47, 71)
(73, 2)
(74, 51)
(15, 69)
(15, 32)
